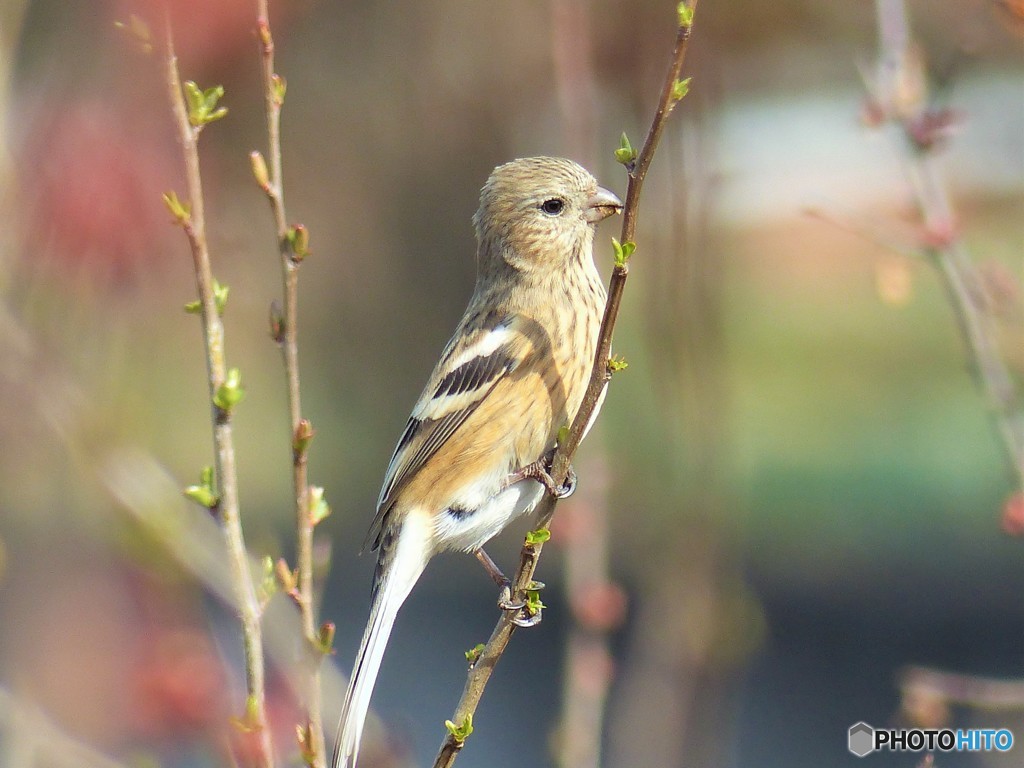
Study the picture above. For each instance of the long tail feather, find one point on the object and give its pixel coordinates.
(401, 569)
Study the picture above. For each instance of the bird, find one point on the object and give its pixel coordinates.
(473, 454)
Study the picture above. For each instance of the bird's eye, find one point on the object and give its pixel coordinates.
(552, 207)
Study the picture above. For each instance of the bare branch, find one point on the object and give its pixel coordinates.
(227, 509)
(900, 93)
(300, 431)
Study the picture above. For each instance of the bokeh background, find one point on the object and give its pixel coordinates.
(798, 483)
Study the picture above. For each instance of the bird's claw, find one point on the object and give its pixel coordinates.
(525, 613)
(505, 601)
(568, 488)
(540, 471)
(524, 618)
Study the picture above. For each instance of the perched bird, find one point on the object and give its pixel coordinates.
(471, 458)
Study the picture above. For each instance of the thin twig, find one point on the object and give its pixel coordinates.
(287, 337)
(247, 604)
(480, 673)
(903, 101)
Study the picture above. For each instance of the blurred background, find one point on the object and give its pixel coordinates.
(796, 493)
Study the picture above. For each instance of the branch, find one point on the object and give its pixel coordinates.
(224, 391)
(285, 331)
(480, 671)
(900, 96)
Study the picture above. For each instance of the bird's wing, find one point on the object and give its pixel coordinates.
(473, 364)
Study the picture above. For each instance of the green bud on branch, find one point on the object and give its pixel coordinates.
(298, 239)
(685, 15)
(181, 211)
(563, 434)
(202, 105)
(473, 654)
(279, 86)
(203, 494)
(263, 30)
(259, 170)
(319, 509)
(626, 154)
(230, 392)
(538, 536)
(325, 638)
(460, 733)
(220, 300)
(616, 364)
(622, 251)
(533, 602)
(680, 88)
(303, 436)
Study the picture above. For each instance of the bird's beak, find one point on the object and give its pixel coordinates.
(602, 205)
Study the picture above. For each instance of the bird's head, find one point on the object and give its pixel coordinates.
(538, 214)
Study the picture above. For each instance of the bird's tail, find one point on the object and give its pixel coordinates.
(402, 566)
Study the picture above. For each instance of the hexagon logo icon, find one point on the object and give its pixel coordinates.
(861, 739)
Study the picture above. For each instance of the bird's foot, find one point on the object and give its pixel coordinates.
(527, 613)
(540, 471)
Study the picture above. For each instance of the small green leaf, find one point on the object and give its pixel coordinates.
(616, 364)
(203, 494)
(319, 509)
(622, 251)
(538, 536)
(680, 88)
(625, 154)
(193, 96)
(220, 296)
(204, 497)
(202, 105)
(685, 15)
(563, 434)
(230, 393)
(460, 732)
(220, 300)
(533, 602)
(473, 654)
(181, 211)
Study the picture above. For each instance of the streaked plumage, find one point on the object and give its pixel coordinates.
(513, 373)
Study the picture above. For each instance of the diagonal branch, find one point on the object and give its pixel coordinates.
(480, 672)
(227, 508)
